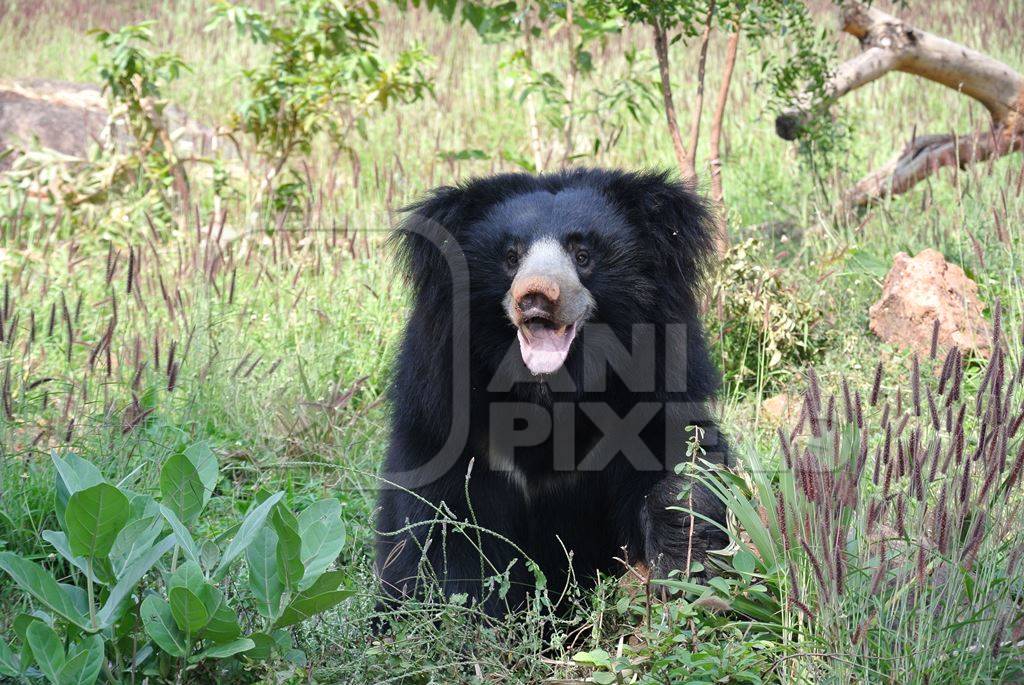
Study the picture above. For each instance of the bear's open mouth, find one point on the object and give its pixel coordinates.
(544, 343)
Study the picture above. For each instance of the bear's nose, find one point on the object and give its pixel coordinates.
(536, 304)
(535, 292)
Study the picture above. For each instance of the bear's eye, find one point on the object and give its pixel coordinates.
(512, 258)
(582, 258)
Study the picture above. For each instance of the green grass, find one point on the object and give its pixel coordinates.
(286, 377)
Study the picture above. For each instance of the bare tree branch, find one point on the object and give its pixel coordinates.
(690, 170)
(715, 163)
(661, 51)
(889, 44)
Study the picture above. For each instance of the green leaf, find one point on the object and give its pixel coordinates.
(188, 575)
(264, 646)
(73, 474)
(744, 562)
(47, 650)
(205, 462)
(225, 650)
(181, 489)
(78, 596)
(59, 541)
(188, 610)
(264, 581)
(247, 532)
(133, 541)
(9, 665)
(94, 518)
(40, 584)
(323, 538)
(184, 538)
(223, 625)
(159, 624)
(289, 547)
(319, 597)
(84, 662)
(597, 658)
(131, 577)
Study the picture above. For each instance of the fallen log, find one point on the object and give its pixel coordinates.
(889, 44)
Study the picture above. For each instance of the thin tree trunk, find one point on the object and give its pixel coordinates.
(570, 87)
(698, 106)
(661, 51)
(531, 107)
(715, 163)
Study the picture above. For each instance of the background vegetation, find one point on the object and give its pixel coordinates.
(159, 312)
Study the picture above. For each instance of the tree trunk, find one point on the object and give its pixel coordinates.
(661, 51)
(889, 44)
(715, 163)
(690, 171)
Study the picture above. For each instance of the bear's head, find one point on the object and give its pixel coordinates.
(545, 256)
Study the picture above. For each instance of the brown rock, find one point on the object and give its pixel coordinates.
(68, 117)
(920, 290)
(781, 410)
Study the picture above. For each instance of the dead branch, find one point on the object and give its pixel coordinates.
(889, 44)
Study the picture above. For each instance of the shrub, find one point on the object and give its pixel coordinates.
(767, 324)
(149, 598)
(322, 75)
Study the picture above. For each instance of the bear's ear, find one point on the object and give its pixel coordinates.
(431, 225)
(672, 219)
(433, 229)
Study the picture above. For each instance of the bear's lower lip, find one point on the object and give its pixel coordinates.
(545, 345)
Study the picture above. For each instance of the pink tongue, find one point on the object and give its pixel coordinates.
(545, 350)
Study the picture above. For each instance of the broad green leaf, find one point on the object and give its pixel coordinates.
(223, 651)
(143, 506)
(251, 525)
(131, 577)
(73, 474)
(289, 547)
(159, 624)
(223, 625)
(264, 646)
(319, 597)
(264, 582)
(94, 518)
(78, 596)
(47, 650)
(133, 541)
(9, 665)
(60, 543)
(184, 538)
(323, 537)
(181, 489)
(188, 575)
(40, 584)
(84, 662)
(205, 461)
(188, 610)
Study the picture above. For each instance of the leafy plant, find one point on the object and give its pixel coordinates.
(134, 79)
(768, 323)
(138, 612)
(323, 74)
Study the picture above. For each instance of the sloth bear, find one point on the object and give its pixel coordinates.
(551, 370)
